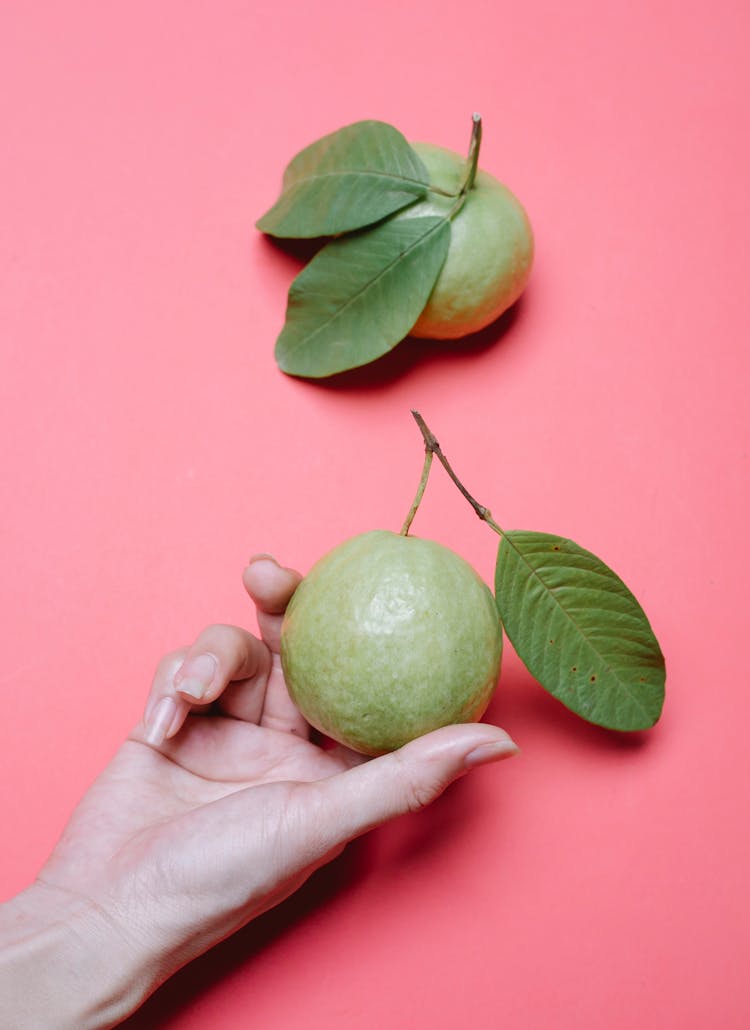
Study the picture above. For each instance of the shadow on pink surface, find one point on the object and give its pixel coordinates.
(289, 256)
(527, 710)
(225, 960)
(412, 844)
(413, 353)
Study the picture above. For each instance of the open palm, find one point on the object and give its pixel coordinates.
(179, 820)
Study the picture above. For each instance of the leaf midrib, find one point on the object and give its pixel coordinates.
(371, 282)
(355, 171)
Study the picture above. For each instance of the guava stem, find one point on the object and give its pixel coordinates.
(420, 492)
(472, 161)
(433, 447)
(472, 164)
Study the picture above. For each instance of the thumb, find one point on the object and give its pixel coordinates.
(407, 780)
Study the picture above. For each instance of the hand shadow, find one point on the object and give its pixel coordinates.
(407, 842)
(182, 990)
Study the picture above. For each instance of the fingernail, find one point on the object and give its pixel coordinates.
(196, 676)
(493, 751)
(160, 721)
(261, 557)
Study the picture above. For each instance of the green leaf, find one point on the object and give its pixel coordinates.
(346, 180)
(360, 296)
(579, 630)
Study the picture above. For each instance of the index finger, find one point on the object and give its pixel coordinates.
(224, 663)
(270, 587)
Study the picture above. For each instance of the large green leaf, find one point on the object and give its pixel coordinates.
(360, 295)
(346, 180)
(579, 630)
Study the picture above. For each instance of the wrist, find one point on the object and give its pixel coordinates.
(67, 963)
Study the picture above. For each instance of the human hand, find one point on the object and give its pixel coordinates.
(216, 808)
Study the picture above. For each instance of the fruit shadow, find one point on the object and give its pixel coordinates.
(530, 713)
(180, 993)
(294, 254)
(411, 353)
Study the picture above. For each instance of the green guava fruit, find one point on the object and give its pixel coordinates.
(388, 637)
(490, 255)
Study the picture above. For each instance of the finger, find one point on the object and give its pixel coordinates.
(279, 711)
(224, 662)
(337, 809)
(223, 655)
(229, 665)
(164, 712)
(270, 587)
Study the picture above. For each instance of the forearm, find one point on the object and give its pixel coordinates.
(65, 963)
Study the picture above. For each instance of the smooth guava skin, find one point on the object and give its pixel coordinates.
(491, 234)
(388, 637)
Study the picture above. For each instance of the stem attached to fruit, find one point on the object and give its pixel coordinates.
(472, 161)
(433, 447)
(420, 491)
(472, 164)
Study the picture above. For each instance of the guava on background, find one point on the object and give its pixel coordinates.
(390, 636)
(490, 254)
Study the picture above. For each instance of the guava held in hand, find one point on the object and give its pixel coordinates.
(388, 637)
(420, 242)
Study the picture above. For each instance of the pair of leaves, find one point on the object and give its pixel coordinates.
(579, 630)
(363, 292)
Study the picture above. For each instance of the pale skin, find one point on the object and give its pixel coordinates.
(216, 808)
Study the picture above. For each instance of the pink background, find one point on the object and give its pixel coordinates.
(150, 445)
